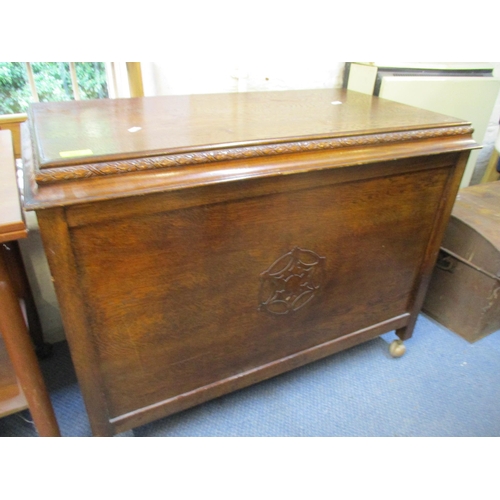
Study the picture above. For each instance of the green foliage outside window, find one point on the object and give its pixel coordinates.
(15, 93)
(53, 83)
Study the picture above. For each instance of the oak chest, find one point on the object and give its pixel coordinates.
(199, 244)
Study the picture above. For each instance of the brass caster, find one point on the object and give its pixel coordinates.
(397, 348)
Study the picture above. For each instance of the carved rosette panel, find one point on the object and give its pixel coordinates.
(291, 282)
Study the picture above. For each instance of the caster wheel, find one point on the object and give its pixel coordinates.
(397, 348)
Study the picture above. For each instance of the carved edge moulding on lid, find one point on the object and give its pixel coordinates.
(99, 169)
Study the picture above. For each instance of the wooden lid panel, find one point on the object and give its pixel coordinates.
(99, 130)
(77, 152)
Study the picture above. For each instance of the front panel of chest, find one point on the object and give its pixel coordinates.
(184, 297)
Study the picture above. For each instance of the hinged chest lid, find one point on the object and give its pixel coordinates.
(473, 233)
(74, 151)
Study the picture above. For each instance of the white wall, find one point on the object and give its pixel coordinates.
(177, 76)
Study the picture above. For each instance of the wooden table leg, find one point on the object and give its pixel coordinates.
(22, 355)
(19, 279)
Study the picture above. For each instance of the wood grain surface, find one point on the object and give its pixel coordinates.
(464, 290)
(118, 128)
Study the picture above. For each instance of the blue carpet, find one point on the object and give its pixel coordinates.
(443, 386)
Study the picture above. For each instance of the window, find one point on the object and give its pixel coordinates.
(22, 83)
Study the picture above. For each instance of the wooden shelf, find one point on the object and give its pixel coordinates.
(12, 397)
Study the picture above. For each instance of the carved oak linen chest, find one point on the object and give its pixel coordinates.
(202, 243)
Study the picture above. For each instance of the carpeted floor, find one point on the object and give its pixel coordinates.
(442, 386)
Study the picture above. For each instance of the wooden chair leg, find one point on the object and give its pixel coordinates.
(22, 355)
